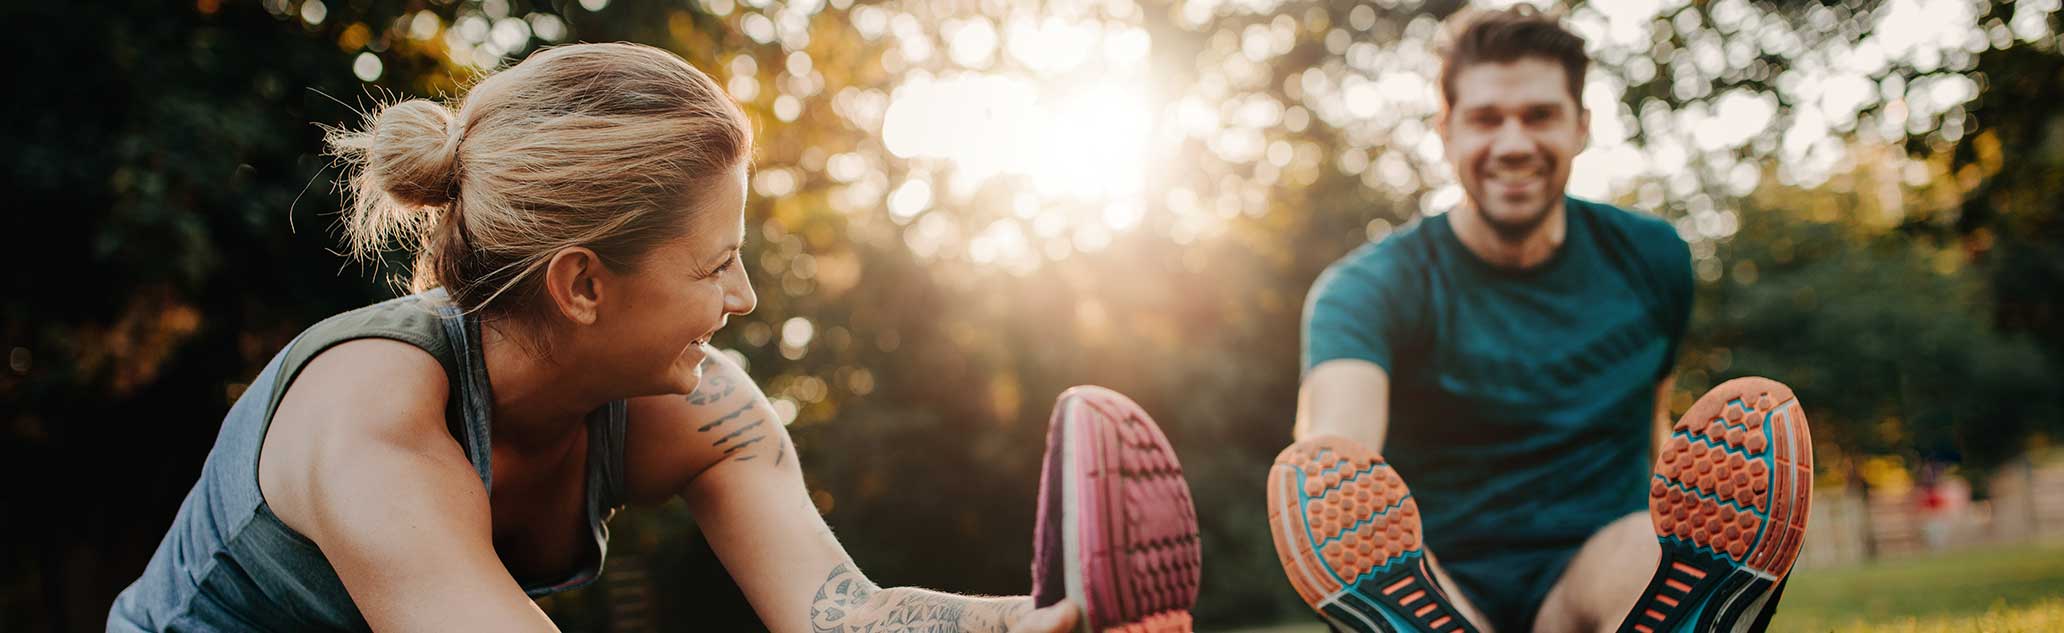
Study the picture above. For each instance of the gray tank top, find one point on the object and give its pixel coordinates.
(229, 564)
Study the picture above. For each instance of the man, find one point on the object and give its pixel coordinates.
(1510, 359)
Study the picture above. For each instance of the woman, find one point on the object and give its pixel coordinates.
(578, 221)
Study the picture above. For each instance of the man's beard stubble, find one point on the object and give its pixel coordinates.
(1516, 231)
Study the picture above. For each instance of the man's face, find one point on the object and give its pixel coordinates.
(1510, 134)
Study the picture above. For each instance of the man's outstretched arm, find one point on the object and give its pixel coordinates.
(724, 450)
(1345, 398)
(1356, 313)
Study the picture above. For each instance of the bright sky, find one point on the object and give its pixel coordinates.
(1054, 107)
(1095, 140)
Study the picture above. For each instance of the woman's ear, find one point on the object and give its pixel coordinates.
(574, 277)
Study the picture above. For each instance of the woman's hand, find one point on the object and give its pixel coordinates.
(1057, 618)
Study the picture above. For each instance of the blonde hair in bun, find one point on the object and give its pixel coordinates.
(597, 145)
(407, 160)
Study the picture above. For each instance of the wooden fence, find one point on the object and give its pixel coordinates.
(2025, 504)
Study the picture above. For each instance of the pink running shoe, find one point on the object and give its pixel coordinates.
(1117, 531)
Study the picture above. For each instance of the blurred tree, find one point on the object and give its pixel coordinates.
(1887, 337)
(961, 208)
(2010, 216)
(155, 160)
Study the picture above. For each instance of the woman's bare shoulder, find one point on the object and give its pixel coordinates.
(675, 439)
(347, 404)
(382, 385)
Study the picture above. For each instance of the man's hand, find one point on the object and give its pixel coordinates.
(1058, 618)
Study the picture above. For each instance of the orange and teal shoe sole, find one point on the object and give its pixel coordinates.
(1729, 500)
(1347, 532)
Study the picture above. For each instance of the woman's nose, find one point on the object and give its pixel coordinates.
(739, 298)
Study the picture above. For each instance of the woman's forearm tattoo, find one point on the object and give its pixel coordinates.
(841, 596)
(848, 602)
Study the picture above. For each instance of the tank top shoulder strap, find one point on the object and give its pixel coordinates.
(606, 431)
(413, 319)
(470, 390)
(427, 321)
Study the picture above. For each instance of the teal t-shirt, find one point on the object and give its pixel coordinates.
(1521, 401)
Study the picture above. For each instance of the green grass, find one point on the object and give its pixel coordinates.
(1940, 591)
(2017, 589)
(2046, 616)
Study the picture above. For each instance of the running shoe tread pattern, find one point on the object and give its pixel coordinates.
(1141, 558)
(1729, 500)
(1347, 533)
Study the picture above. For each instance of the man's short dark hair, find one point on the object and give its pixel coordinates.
(1509, 35)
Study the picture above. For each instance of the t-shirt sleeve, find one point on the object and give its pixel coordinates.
(1356, 310)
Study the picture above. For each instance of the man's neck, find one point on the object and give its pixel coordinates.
(1496, 249)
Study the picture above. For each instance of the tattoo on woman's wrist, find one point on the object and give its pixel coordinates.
(849, 603)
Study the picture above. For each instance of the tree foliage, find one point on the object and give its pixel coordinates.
(1873, 206)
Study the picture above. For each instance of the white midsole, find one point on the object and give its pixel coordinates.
(1289, 527)
(1071, 530)
(1311, 576)
(1787, 452)
(1755, 610)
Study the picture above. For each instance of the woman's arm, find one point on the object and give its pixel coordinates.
(848, 601)
(724, 450)
(358, 460)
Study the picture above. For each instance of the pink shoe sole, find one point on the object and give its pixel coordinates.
(1117, 530)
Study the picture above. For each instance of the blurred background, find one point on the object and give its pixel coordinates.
(962, 207)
